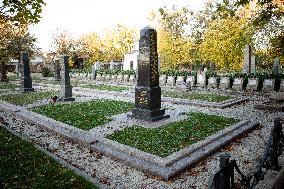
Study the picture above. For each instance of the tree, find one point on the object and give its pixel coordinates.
(224, 41)
(265, 10)
(173, 43)
(24, 11)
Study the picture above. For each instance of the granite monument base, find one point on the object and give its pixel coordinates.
(66, 93)
(148, 115)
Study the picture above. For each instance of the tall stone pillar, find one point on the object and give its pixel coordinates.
(247, 59)
(26, 80)
(66, 88)
(147, 91)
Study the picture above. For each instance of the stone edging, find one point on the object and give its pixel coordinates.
(177, 162)
(165, 167)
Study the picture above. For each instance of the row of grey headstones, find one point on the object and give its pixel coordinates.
(238, 83)
(65, 89)
(116, 78)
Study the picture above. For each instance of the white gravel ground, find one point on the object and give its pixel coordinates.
(247, 150)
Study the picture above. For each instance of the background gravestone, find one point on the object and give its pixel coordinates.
(66, 88)
(26, 81)
(3, 77)
(276, 66)
(249, 60)
(147, 91)
(57, 68)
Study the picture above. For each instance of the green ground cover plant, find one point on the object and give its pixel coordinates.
(9, 86)
(106, 87)
(170, 138)
(26, 98)
(197, 96)
(84, 115)
(23, 166)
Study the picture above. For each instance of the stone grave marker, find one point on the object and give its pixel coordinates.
(171, 81)
(66, 88)
(247, 59)
(180, 80)
(132, 79)
(119, 78)
(107, 78)
(126, 78)
(224, 83)
(147, 91)
(163, 80)
(201, 79)
(268, 85)
(212, 83)
(276, 66)
(238, 84)
(252, 84)
(57, 69)
(26, 81)
(113, 78)
(191, 80)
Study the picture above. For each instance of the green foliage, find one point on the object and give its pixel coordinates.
(46, 72)
(26, 98)
(23, 166)
(106, 87)
(23, 11)
(173, 137)
(85, 115)
(197, 96)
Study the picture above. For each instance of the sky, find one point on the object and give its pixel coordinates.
(85, 16)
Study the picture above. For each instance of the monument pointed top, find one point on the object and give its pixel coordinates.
(145, 32)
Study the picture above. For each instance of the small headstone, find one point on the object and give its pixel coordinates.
(147, 91)
(224, 83)
(212, 83)
(119, 78)
(191, 81)
(212, 66)
(93, 71)
(26, 78)
(111, 65)
(163, 80)
(66, 88)
(126, 78)
(113, 78)
(171, 81)
(99, 77)
(252, 84)
(107, 78)
(276, 66)
(180, 80)
(238, 84)
(268, 85)
(201, 79)
(132, 78)
(277, 96)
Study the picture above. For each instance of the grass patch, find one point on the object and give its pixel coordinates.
(170, 138)
(23, 166)
(197, 96)
(85, 115)
(9, 86)
(106, 87)
(26, 98)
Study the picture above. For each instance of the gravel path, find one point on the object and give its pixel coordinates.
(247, 150)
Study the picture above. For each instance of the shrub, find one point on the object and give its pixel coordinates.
(46, 72)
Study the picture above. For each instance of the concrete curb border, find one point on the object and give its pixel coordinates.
(164, 167)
